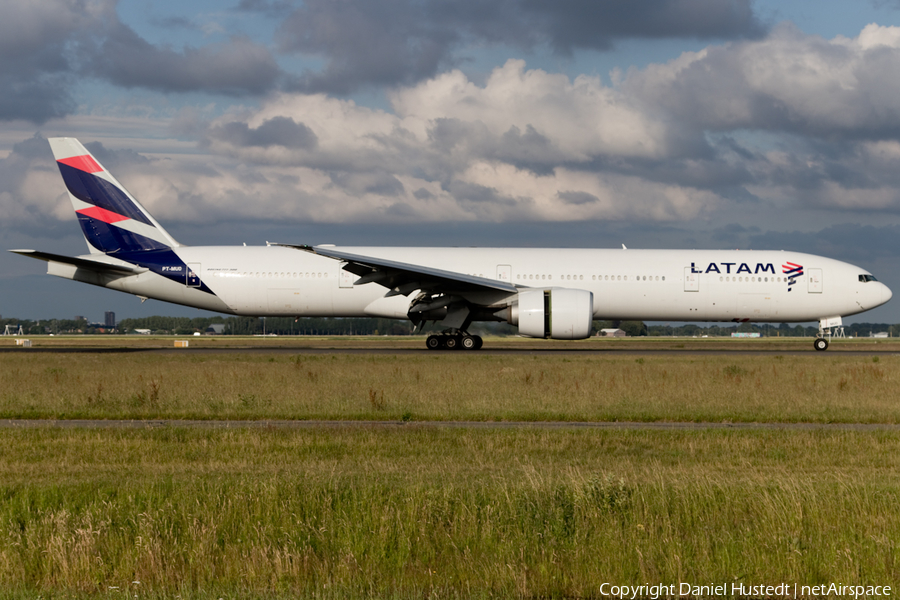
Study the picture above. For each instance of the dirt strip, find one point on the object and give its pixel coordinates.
(313, 424)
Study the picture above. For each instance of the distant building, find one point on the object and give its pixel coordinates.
(612, 333)
(216, 329)
(109, 319)
(880, 334)
(142, 331)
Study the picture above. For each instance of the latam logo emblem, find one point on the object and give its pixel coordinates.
(793, 271)
(733, 267)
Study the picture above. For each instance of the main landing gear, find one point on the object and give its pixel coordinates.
(454, 341)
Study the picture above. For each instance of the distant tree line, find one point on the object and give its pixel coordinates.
(269, 325)
(54, 326)
(638, 328)
(285, 326)
(161, 325)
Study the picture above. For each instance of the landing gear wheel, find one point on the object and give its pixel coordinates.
(478, 342)
(434, 342)
(451, 342)
(468, 343)
(820, 344)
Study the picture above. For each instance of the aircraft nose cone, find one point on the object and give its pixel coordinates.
(886, 293)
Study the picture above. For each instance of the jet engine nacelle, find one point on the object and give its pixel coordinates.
(558, 313)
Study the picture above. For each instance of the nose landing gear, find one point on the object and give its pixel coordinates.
(826, 326)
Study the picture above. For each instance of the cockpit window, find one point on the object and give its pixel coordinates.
(867, 278)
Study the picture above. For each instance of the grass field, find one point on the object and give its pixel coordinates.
(415, 512)
(439, 512)
(602, 386)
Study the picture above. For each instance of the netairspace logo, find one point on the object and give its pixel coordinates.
(742, 590)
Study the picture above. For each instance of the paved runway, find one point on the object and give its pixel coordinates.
(415, 346)
(497, 351)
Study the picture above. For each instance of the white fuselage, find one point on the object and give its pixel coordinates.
(655, 285)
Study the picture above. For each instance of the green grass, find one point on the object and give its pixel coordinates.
(432, 512)
(842, 387)
(412, 511)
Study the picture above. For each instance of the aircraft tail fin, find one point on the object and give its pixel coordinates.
(112, 220)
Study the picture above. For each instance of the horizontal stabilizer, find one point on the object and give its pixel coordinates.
(82, 263)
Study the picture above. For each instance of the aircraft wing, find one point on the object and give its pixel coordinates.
(82, 263)
(403, 278)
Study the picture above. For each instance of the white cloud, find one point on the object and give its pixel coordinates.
(874, 35)
(528, 145)
(583, 118)
(506, 150)
(788, 81)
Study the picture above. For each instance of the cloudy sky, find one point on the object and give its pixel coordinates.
(767, 124)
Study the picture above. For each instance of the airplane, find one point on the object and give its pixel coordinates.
(547, 293)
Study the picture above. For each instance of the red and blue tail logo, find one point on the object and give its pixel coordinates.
(112, 220)
(793, 271)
